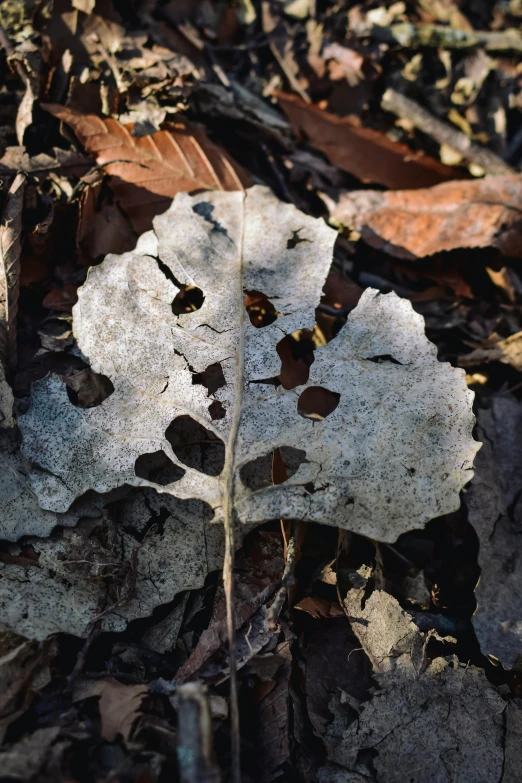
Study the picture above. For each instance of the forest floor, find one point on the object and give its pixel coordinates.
(399, 125)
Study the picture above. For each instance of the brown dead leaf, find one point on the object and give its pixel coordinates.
(318, 607)
(180, 159)
(10, 235)
(103, 227)
(274, 720)
(62, 299)
(119, 704)
(24, 668)
(508, 351)
(412, 224)
(366, 153)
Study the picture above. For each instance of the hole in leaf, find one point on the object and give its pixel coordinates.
(317, 403)
(211, 378)
(157, 467)
(258, 473)
(188, 299)
(295, 240)
(292, 458)
(260, 309)
(195, 446)
(205, 210)
(296, 352)
(385, 357)
(88, 389)
(217, 410)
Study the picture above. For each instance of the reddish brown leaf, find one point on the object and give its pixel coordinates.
(168, 162)
(366, 153)
(62, 299)
(119, 704)
(103, 227)
(318, 607)
(417, 223)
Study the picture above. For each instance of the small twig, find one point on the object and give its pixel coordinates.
(269, 27)
(113, 66)
(195, 757)
(93, 634)
(443, 133)
(445, 37)
(81, 184)
(286, 582)
(279, 177)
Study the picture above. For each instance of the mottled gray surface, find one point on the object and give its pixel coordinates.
(495, 510)
(20, 512)
(428, 721)
(395, 452)
(63, 591)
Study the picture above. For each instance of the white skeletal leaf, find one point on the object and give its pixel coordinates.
(393, 454)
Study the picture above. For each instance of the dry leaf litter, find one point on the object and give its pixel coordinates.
(259, 273)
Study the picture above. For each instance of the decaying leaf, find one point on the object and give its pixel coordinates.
(119, 704)
(150, 170)
(495, 511)
(366, 153)
(380, 435)
(25, 759)
(507, 351)
(10, 237)
(20, 513)
(157, 547)
(427, 720)
(412, 224)
(24, 668)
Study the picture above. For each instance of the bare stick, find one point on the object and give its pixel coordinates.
(229, 522)
(195, 758)
(443, 133)
(286, 582)
(442, 36)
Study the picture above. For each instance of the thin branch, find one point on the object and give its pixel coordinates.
(195, 757)
(441, 36)
(286, 582)
(81, 184)
(229, 521)
(443, 133)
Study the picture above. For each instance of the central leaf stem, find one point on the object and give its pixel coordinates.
(228, 565)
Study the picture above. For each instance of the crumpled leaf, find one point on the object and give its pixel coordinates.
(156, 167)
(495, 511)
(25, 759)
(412, 224)
(366, 153)
(119, 704)
(432, 720)
(395, 451)
(10, 240)
(27, 60)
(158, 547)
